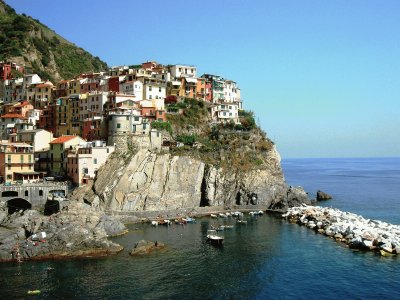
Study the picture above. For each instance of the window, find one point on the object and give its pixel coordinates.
(40, 192)
(26, 193)
(136, 118)
(159, 89)
(95, 161)
(9, 167)
(150, 88)
(118, 125)
(127, 118)
(22, 158)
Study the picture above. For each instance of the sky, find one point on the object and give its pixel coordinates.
(322, 76)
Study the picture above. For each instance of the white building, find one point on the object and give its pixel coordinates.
(225, 112)
(33, 116)
(178, 71)
(82, 165)
(132, 88)
(38, 138)
(154, 89)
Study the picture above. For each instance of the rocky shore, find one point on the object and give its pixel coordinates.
(353, 230)
(77, 230)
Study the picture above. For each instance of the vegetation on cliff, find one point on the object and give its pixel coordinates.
(242, 147)
(28, 42)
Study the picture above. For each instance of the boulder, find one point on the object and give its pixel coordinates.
(321, 196)
(145, 247)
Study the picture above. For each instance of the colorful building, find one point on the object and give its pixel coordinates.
(57, 152)
(84, 161)
(17, 163)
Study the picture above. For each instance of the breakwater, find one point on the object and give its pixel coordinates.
(351, 229)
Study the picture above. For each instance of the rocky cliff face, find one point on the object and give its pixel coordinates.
(77, 230)
(158, 182)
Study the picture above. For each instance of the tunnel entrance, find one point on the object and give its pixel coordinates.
(51, 207)
(17, 204)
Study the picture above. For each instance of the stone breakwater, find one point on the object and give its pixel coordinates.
(351, 229)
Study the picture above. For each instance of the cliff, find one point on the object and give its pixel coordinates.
(150, 181)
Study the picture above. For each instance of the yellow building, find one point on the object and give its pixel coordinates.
(17, 163)
(68, 112)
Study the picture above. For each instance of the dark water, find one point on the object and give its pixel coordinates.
(266, 259)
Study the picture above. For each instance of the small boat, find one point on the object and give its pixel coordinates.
(213, 238)
(260, 212)
(223, 215)
(228, 214)
(33, 292)
(213, 216)
(241, 221)
(189, 220)
(228, 226)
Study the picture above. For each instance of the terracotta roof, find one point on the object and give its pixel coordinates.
(21, 104)
(9, 116)
(63, 139)
(40, 85)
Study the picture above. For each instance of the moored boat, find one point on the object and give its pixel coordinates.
(213, 238)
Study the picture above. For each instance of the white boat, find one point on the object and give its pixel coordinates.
(223, 215)
(228, 226)
(241, 221)
(213, 216)
(213, 238)
(260, 212)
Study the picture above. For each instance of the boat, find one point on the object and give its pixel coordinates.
(213, 216)
(260, 212)
(223, 215)
(213, 238)
(33, 292)
(189, 220)
(228, 226)
(241, 221)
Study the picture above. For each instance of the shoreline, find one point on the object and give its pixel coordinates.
(198, 212)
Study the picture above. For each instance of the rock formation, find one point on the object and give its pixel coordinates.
(145, 247)
(78, 230)
(321, 196)
(151, 181)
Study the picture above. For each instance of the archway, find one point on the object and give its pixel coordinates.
(17, 204)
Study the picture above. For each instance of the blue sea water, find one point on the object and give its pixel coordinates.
(266, 259)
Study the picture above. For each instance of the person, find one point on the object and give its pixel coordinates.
(156, 243)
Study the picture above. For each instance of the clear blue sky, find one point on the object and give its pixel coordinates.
(322, 76)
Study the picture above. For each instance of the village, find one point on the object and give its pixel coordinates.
(65, 131)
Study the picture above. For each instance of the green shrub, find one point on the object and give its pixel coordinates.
(187, 139)
(160, 125)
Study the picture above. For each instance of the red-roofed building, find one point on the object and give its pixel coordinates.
(58, 148)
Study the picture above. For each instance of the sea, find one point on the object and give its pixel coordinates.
(268, 258)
